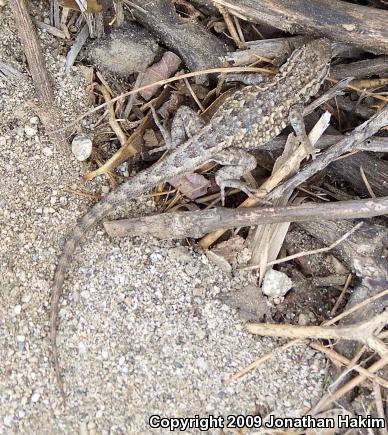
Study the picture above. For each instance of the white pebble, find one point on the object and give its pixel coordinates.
(34, 120)
(104, 354)
(17, 309)
(8, 421)
(105, 189)
(47, 151)
(26, 298)
(276, 284)
(3, 141)
(21, 338)
(121, 360)
(81, 147)
(85, 294)
(35, 397)
(30, 132)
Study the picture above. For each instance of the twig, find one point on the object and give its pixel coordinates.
(313, 252)
(379, 405)
(195, 224)
(31, 46)
(362, 332)
(76, 47)
(113, 121)
(335, 356)
(336, 319)
(349, 386)
(342, 295)
(132, 97)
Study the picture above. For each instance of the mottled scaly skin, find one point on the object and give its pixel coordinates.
(249, 118)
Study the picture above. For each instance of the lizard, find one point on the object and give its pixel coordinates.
(250, 117)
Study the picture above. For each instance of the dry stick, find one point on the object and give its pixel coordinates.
(114, 123)
(347, 144)
(31, 47)
(335, 356)
(315, 251)
(349, 386)
(342, 295)
(336, 319)
(341, 21)
(379, 405)
(229, 24)
(197, 223)
(362, 332)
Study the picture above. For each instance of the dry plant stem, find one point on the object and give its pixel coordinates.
(336, 357)
(315, 251)
(375, 181)
(373, 144)
(230, 25)
(113, 121)
(341, 21)
(363, 91)
(367, 184)
(336, 319)
(262, 359)
(349, 386)
(195, 224)
(342, 295)
(379, 405)
(33, 52)
(347, 144)
(360, 69)
(362, 332)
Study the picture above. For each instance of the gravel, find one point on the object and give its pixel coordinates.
(143, 330)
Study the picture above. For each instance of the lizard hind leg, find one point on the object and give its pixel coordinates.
(185, 124)
(237, 162)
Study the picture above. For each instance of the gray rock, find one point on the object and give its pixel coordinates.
(124, 51)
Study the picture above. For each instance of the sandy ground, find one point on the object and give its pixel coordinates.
(142, 328)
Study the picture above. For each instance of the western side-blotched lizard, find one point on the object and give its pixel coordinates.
(249, 118)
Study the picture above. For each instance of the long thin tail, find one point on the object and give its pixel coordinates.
(142, 182)
(89, 219)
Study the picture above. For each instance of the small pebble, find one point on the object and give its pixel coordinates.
(34, 120)
(26, 298)
(105, 189)
(81, 147)
(85, 294)
(17, 309)
(35, 397)
(47, 151)
(276, 284)
(121, 360)
(8, 421)
(30, 131)
(3, 140)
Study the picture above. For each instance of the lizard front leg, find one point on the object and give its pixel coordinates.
(185, 124)
(236, 162)
(297, 123)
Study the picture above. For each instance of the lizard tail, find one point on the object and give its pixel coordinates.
(89, 219)
(139, 184)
